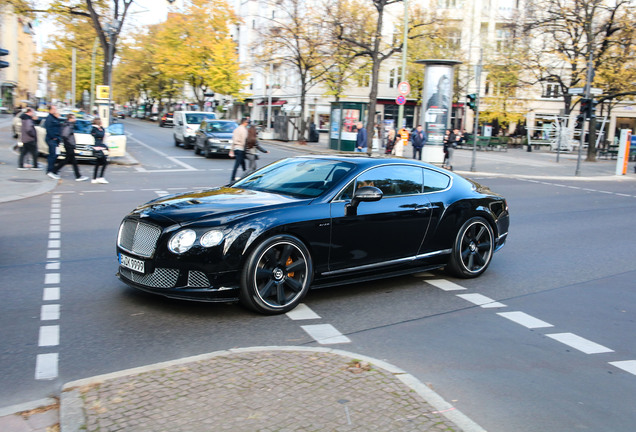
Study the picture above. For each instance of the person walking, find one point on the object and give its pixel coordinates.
(53, 125)
(29, 138)
(418, 139)
(450, 143)
(68, 138)
(100, 150)
(361, 139)
(390, 142)
(251, 146)
(237, 150)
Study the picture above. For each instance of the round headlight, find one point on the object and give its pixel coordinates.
(182, 241)
(211, 238)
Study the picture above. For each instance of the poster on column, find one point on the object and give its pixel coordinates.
(437, 99)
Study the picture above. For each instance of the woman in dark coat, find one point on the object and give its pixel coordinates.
(100, 150)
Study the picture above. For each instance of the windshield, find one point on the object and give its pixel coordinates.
(83, 126)
(199, 117)
(303, 178)
(221, 126)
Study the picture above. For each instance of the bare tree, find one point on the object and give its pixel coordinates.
(295, 37)
(352, 23)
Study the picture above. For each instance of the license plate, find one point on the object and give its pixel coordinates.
(85, 153)
(131, 263)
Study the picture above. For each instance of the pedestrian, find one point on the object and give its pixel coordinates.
(251, 146)
(418, 139)
(68, 138)
(390, 141)
(361, 139)
(53, 125)
(29, 138)
(100, 151)
(237, 150)
(450, 144)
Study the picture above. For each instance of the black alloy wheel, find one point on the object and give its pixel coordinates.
(276, 276)
(197, 149)
(473, 248)
(206, 151)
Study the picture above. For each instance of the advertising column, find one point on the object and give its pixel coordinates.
(437, 102)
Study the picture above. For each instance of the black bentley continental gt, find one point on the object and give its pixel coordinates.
(311, 221)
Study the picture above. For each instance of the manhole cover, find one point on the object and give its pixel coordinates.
(26, 180)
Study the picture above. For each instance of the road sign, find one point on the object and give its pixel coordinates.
(401, 100)
(404, 88)
(594, 91)
(102, 92)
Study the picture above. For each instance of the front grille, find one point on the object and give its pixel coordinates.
(138, 237)
(197, 279)
(160, 278)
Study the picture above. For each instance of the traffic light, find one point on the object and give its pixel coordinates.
(472, 101)
(3, 64)
(585, 108)
(592, 109)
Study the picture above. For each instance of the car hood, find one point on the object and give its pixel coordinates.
(219, 135)
(225, 203)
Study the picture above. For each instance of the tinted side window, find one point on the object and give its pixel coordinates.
(393, 180)
(435, 181)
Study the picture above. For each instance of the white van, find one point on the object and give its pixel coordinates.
(186, 124)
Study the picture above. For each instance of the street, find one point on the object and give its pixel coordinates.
(545, 340)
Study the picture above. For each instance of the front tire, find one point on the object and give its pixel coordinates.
(473, 249)
(276, 275)
(176, 141)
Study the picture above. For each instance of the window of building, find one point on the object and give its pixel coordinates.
(395, 75)
(502, 39)
(450, 4)
(364, 80)
(551, 89)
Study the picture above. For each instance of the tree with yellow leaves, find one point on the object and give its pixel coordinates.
(195, 46)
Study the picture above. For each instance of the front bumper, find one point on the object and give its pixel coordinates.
(182, 284)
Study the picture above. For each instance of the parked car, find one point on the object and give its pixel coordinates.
(310, 221)
(115, 139)
(166, 120)
(214, 137)
(186, 124)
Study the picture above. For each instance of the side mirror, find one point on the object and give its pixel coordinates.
(363, 194)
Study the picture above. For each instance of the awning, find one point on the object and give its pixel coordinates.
(274, 103)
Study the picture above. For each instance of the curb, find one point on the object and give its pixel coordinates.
(72, 417)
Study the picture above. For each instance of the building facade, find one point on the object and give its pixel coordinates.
(478, 30)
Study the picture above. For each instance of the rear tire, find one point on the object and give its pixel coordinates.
(276, 276)
(473, 249)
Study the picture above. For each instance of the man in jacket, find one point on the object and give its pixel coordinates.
(361, 139)
(418, 139)
(68, 137)
(237, 150)
(29, 138)
(52, 125)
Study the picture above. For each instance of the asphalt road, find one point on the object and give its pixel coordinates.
(564, 283)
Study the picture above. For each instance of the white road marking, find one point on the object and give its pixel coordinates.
(162, 193)
(50, 312)
(302, 312)
(170, 158)
(626, 365)
(54, 244)
(445, 285)
(325, 334)
(481, 300)
(51, 294)
(49, 336)
(54, 227)
(55, 265)
(51, 278)
(579, 343)
(54, 235)
(46, 366)
(525, 320)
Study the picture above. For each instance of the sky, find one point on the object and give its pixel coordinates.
(141, 13)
